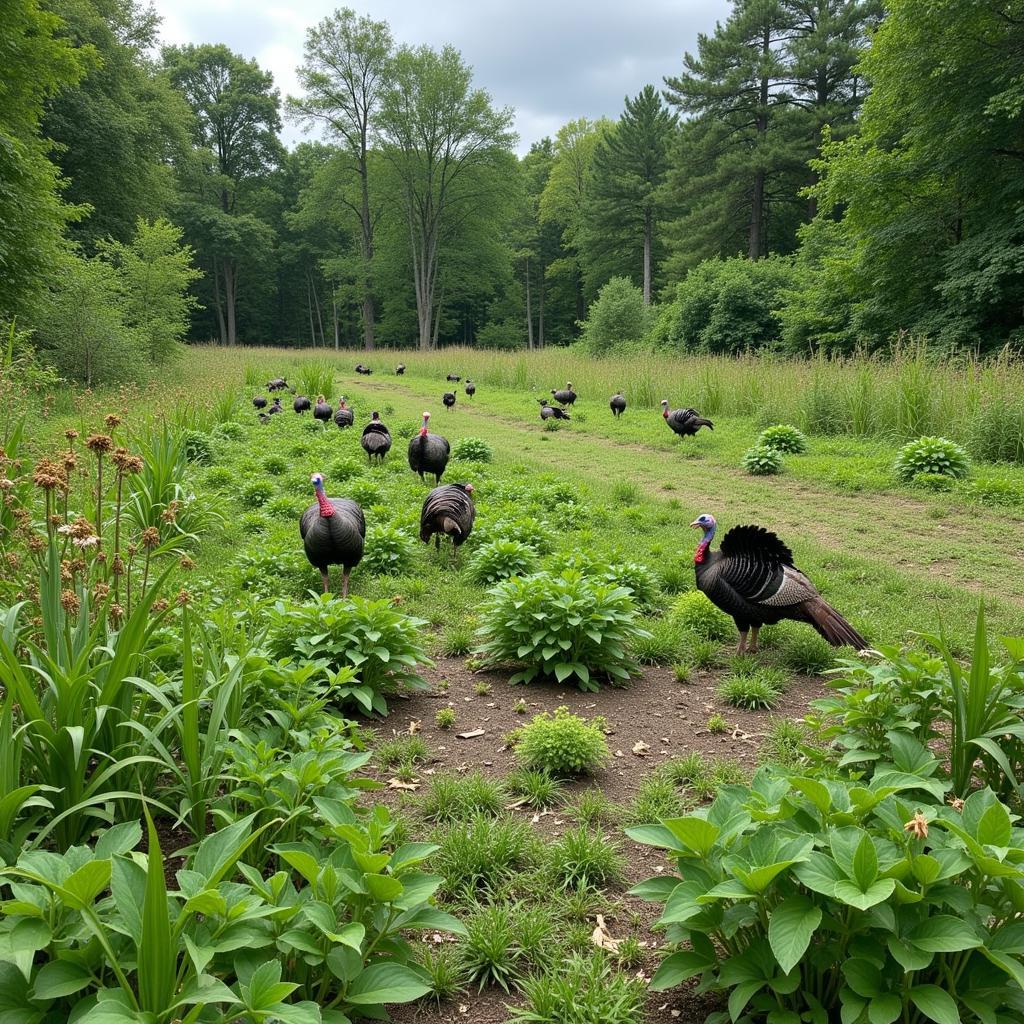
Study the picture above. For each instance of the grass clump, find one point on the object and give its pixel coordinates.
(698, 616)
(472, 449)
(401, 750)
(753, 688)
(656, 798)
(445, 718)
(483, 854)
(592, 808)
(562, 744)
(664, 640)
(460, 798)
(457, 639)
(762, 461)
(802, 650)
(783, 438)
(499, 559)
(626, 492)
(444, 970)
(504, 942)
(563, 626)
(584, 857)
(717, 724)
(538, 788)
(935, 455)
(584, 989)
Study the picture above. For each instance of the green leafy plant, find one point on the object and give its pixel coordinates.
(444, 970)
(504, 942)
(936, 455)
(582, 857)
(563, 626)
(762, 461)
(229, 430)
(275, 465)
(198, 447)
(445, 718)
(752, 689)
(697, 615)
(783, 438)
(472, 449)
(461, 798)
(389, 550)
(562, 743)
(591, 807)
(483, 854)
(498, 559)
(717, 724)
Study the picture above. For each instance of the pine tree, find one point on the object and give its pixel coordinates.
(626, 199)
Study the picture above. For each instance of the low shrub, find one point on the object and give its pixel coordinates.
(697, 615)
(583, 989)
(445, 718)
(754, 689)
(934, 455)
(198, 447)
(275, 465)
(802, 650)
(665, 641)
(389, 550)
(932, 482)
(762, 461)
(364, 492)
(499, 559)
(783, 438)
(524, 529)
(472, 449)
(642, 582)
(565, 626)
(344, 468)
(229, 430)
(993, 490)
(562, 743)
(254, 495)
(582, 857)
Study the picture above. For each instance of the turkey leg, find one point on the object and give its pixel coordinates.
(326, 579)
(344, 583)
(742, 649)
(754, 630)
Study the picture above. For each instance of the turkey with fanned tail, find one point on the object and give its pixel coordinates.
(376, 439)
(752, 578)
(448, 511)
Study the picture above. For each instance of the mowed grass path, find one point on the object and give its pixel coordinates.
(893, 563)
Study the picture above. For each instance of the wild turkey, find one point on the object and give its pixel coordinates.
(566, 395)
(428, 453)
(344, 416)
(685, 422)
(448, 510)
(752, 578)
(400, 369)
(264, 417)
(259, 402)
(454, 378)
(548, 412)
(277, 384)
(276, 407)
(376, 440)
(365, 370)
(322, 410)
(470, 388)
(301, 404)
(333, 531)
(617, 404)
(448, 398)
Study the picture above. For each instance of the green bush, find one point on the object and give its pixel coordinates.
(344, 468)
(229, 430)
(498, 559)
(873, 903)
(472, 449)
(254, 495)
(994, 491)
(272, 568)
(275, 465)
(617, 316)
(762, 461)
(583, 989)
(381, 644)
(783, 438)
(198, 447)
(364, 492)
(218, 478)
(524, 529)
(566, 627)
(697, 615)
(388, 551)
(935, 455)
(581, 857)
(933, 482)
(562, 743)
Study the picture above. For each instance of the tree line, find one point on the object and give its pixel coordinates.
(816, 175)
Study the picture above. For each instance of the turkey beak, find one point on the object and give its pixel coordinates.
(697, 524)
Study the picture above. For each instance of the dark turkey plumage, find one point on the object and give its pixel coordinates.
(343, 415)
(376, 439)
(276, 407)
(566, 395)
(617, 404)
(752, 578)
(277, 384)
(685, 422)
(264, 417)
(448, 398)
(301, 404)
(548, 412)
(259, 402)
(400, 369)
(322, 410)
(365, 370)
(428, 453)
(332, 531)
(448, 511)
(470, 388)
(453, 377)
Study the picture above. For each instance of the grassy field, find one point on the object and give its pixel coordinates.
(895, 559)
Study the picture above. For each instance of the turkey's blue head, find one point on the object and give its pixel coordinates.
(707, 524)
(426, 421)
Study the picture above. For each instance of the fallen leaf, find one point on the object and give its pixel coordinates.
(472, 734)
(602, 938)
(516, 804)
(640, 748)
(398, 784)
(414, 726)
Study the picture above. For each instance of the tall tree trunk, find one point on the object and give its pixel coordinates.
(334, 315)
(529, 310)
(229, 299)
(647, 257)
(319, 317)
(437, 320)
(581, 306)
(369, 313)
(218, 305)
(309, 306)
(540, 311)
(756, 247)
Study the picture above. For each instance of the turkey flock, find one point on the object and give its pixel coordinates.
(751, 577)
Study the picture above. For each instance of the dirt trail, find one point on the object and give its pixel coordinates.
(970, 547)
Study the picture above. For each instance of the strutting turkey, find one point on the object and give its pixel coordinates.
(448, 398)
(322, 410)
(259, 402)
(470, 388)
(564, 396)
(333, 531)
(364, 370)
(548, 411)
(617, 404)
(448, 511)
(344, 416)
(400, 369)
(685, 422)
(428, 453)
(277, 384)
(301, 404)
(752, 578)
(376, 439)
(453, 378)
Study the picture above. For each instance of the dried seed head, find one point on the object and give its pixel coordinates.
(66, 572)
(116, 613)
(49, 475)
(36, 544)
(13, 561)
(70, 461)
(112, 420)
(100, 591)
(71, 434)
(69, 602)
(170, 513)
(159, 605)
(183, 597)
(99, 443)
(117, 566)
(126, 462)
(917, 826)
(150, 537)
(186, 563)
(956, 803)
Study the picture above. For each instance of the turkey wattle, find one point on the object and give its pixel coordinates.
(752, 578)
(428, 453)
(685, 422)
(332, 531)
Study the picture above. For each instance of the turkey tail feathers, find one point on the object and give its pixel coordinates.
(832, 626)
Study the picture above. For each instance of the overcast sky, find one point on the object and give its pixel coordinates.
(551, 60)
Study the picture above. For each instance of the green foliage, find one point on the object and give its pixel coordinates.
(382, 645)
(445, 718)
(802, 650)
(496, 560)
(752, 689)
(229, 430)
(584, 989)
(388, 551)
(717, 724)
(483, 854)
(580, 858)
(198, 447)
(275, 465)
(504, 943)
(524, 529)
(617, 317)
(657, 797)
(562, 743)
(626, 492)
(783, 438)
(472, 449)
(444, 971)
(539, 788)
(584, 631)
(665, 640)
(462, 798)
(762, 461)
(934, 455)
(698, 616)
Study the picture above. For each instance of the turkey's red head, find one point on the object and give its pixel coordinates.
(426, 421)
(469, 488)
(326, 508)
(664, 407)
(707, 524)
